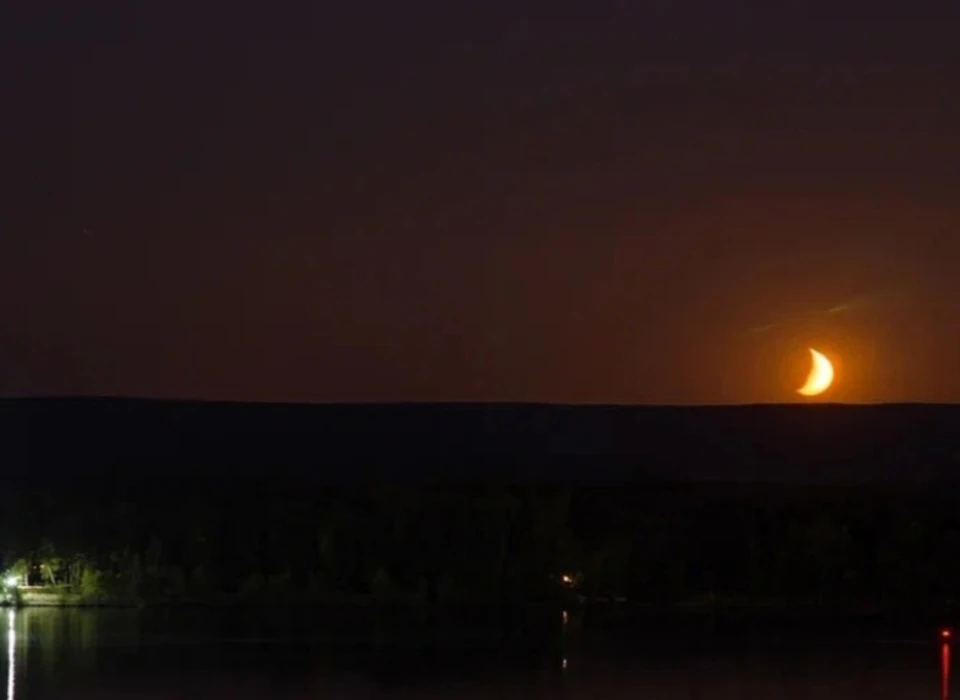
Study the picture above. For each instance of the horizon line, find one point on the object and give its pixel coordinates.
(455, 402)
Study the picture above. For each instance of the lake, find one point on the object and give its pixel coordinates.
(249, 653)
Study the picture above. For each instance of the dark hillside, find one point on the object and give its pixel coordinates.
(187, 502)
(793, 443)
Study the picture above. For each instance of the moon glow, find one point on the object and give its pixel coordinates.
(820, 377)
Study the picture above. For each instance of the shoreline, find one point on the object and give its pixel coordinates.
(603, 608)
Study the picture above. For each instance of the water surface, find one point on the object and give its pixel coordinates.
(292, 654)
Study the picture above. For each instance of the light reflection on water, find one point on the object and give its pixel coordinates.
(11, 652)
(945, 671)
(125, 654)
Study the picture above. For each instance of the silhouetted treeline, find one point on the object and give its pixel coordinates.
(150, 501)
(270, 539)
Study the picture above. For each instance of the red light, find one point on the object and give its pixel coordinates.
(945, 634)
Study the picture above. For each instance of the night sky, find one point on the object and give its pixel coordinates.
(596, 201)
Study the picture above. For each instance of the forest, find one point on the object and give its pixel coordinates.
(271, 540)
(116, 501)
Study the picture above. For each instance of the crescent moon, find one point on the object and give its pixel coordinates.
(820, 377)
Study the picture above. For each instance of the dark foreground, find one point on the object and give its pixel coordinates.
(167, 503)
(191, 654)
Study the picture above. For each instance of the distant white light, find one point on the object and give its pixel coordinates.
(11, 581)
